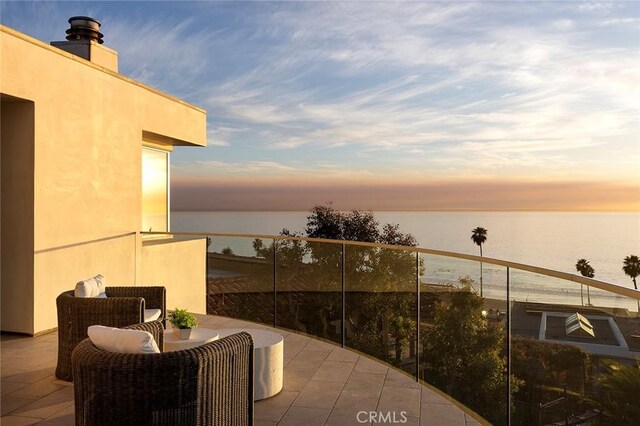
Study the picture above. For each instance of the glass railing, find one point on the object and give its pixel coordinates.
(501, 338)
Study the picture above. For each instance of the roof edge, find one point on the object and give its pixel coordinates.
(41, 44)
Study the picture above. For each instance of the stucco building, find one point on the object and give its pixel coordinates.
(85, 168)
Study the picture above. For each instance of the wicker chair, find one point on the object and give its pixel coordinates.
(210, 384)
(123, 306)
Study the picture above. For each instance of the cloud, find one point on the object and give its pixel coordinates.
(163, 52)
(455, 89)
(595, 6)
(259, 169)
(565, 91)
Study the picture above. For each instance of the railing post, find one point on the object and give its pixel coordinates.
(508, 324)
(208, 241)
(275, 290)
(417, 316)
(343, 321)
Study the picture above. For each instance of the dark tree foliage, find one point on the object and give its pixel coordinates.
(546, 369)
(380, 283)
(586, 270)
(621, 387)
(462, 355)
(631, 267)
(326, 222)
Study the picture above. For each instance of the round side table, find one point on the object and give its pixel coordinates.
(199, 336)
(268, 360)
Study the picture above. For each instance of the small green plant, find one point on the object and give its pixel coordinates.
(180, 318)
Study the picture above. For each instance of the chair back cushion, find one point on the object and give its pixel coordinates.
(124, 341)
(151, 314)
(91, 287)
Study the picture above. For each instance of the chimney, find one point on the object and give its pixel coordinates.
(84, 39)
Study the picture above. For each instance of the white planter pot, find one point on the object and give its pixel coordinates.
(182, 333)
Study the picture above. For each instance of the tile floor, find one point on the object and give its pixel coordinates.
(323, 385)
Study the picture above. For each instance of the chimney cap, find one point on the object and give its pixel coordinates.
(84, 28)
(84, 18)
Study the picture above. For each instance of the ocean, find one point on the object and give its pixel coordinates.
(553, 240)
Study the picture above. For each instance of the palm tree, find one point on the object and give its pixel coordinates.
(631, 267)
(479, 236)
(585, 270)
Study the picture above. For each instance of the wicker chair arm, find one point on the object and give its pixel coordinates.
(154, 296)
(207, 385)
(226, 367)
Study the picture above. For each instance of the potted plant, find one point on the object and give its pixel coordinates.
(182, 322)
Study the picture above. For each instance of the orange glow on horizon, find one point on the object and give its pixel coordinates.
(279, 194)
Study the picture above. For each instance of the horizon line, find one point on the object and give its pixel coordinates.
(412, 211)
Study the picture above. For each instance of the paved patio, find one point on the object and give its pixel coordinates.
(323, 385)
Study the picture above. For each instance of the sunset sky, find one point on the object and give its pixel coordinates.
(388, 106)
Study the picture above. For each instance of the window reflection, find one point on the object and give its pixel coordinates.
(154, 190)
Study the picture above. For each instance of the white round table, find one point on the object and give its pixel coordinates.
(199, 336)
(268, 360)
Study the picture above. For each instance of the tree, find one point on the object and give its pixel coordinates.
(462, 355)
(479, 236)
(324, 222)
(621, 385)
(328, 223)
(586, 270)
(631, 267)
(380, 282)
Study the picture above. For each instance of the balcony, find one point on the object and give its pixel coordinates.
(444, 338)
(459, 323)
(324, 384)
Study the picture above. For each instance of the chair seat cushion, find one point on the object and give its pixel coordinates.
(151, 314)
(122, 341)
(91, 287)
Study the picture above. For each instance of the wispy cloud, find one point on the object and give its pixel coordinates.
(565, 91)
(261, 169)
(380, 90)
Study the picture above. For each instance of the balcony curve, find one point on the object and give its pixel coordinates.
(603, 285)
(324, 384)
(383, 302)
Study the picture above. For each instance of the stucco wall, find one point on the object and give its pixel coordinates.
(89, 125)
(58, 269)
(180, 266)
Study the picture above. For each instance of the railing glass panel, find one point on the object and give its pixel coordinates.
(459, 323)
(381, 304)
(240, 280)
(309, 288)
(463, 336)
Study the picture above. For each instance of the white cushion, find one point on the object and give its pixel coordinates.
(151, 314)
(91, 287)
(122, 341)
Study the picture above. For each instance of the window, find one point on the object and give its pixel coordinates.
(155, 190)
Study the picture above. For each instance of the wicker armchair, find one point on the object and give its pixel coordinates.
(207, 385)
(123, 306)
